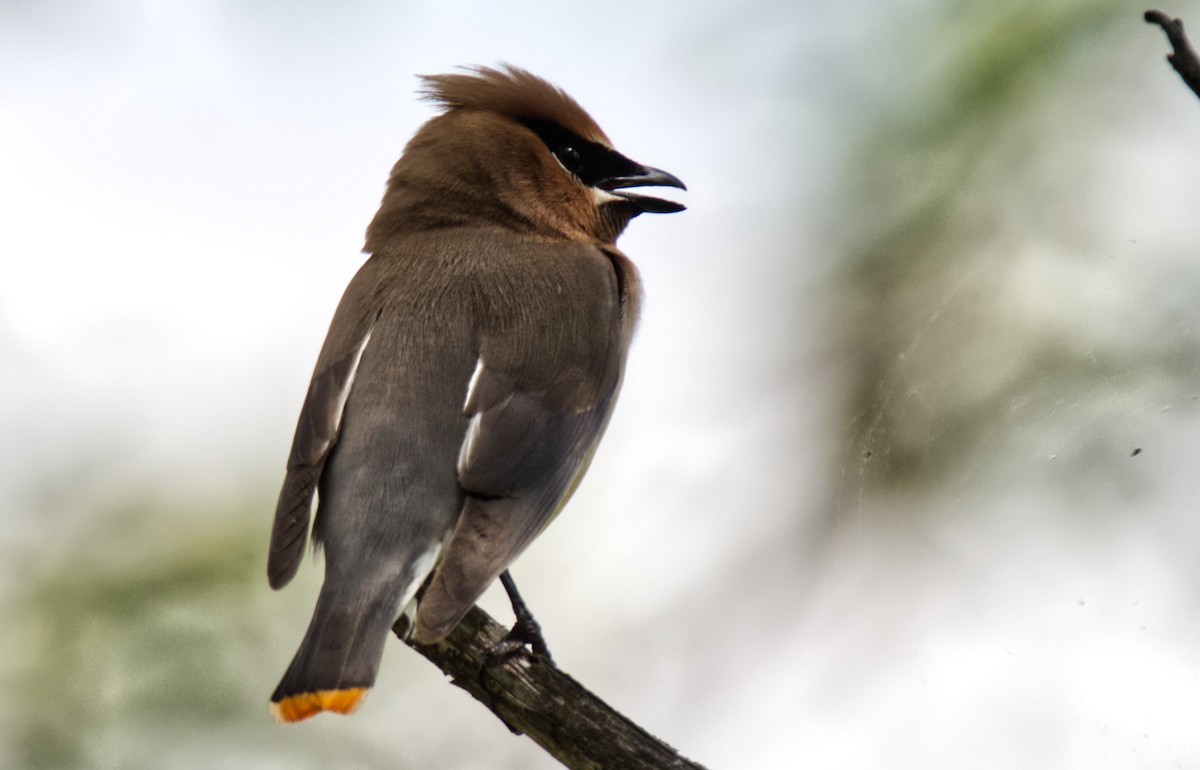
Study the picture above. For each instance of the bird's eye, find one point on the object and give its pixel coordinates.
(570, 158)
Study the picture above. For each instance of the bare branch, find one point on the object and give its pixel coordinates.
(1184, 58)
(532, 696)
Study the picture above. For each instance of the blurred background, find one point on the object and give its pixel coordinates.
(904, 471)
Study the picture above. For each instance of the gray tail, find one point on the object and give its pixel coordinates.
(339, 657)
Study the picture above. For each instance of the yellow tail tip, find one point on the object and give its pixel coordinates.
(295, 708)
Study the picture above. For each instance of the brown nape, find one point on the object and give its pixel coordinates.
(474, 168)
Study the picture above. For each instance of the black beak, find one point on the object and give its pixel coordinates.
(644, 176)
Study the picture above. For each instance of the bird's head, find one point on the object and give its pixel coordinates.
(514, 151)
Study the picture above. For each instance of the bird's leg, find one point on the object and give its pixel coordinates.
(525, 630)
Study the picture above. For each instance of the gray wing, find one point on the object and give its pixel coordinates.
(317, 428)
(522, 459)
(537, 408)
(523, 446)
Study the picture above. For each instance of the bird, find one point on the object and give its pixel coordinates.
(470, 369)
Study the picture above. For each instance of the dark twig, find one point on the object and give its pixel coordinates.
(530, 694)
(1184, 58)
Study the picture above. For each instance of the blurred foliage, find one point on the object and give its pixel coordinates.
(946, 339)
(147, 639)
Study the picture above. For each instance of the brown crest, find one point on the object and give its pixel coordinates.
(514, 92)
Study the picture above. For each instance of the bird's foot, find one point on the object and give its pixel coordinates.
(525, 632)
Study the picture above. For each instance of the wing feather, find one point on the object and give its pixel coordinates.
(316, 432)
(551, 357)
(522, 458)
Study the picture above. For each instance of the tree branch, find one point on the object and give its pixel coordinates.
(1184, 58)
(534, 697)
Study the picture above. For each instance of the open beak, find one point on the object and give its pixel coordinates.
(644, 176)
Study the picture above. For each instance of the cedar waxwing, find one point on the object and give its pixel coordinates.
(468, 374)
